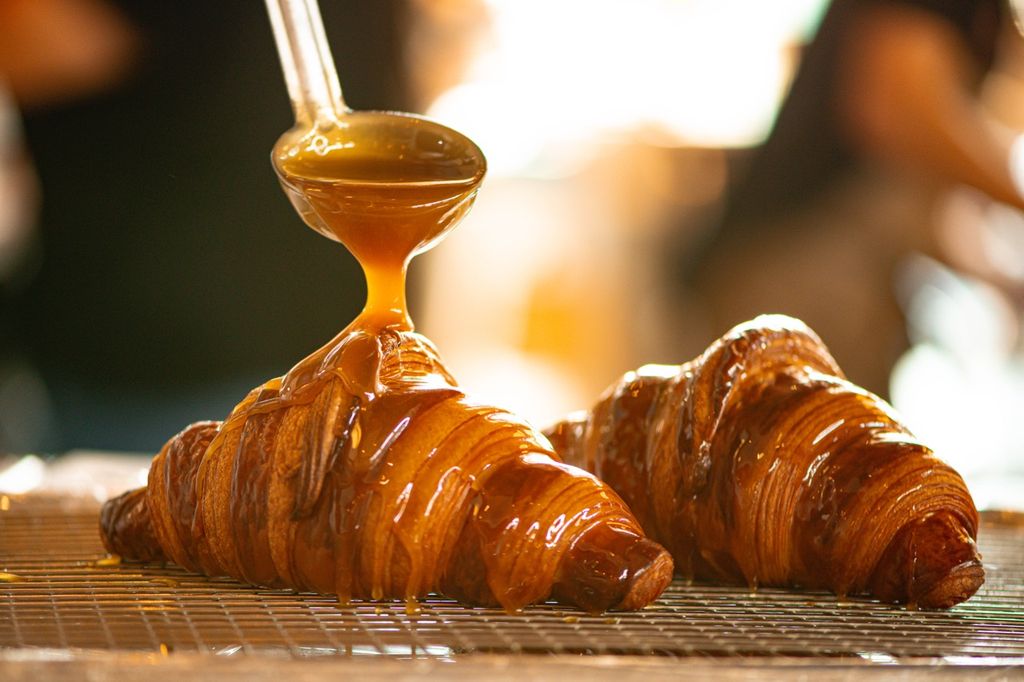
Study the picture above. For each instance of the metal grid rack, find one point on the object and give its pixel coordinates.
(56, 592)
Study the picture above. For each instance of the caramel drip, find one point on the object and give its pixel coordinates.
(365, 471)
(758, 463)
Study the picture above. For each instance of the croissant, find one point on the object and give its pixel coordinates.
(758, 463)
(365, 472)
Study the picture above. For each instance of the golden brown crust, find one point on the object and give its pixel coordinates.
(759, 463)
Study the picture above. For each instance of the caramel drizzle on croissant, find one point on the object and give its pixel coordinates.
(759, 463)
(367, 473)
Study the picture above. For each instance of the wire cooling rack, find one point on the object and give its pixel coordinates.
(58, 592)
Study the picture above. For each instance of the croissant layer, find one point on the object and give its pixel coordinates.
(759, 463)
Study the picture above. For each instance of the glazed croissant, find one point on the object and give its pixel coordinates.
(759, 463)
(366, 473)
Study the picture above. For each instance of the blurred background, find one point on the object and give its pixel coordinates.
(660, 170)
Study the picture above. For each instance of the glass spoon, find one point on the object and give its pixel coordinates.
(387, 185)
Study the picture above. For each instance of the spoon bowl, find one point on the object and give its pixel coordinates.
(387, 185)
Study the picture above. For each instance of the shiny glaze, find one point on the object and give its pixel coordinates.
(365, 471)
(759, 463)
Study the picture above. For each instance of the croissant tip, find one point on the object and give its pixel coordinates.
(648, 582)
(957, 586)
(126, 529)
(610, 569)
(931, 563)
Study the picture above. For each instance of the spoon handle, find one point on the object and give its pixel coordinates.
(306, 59)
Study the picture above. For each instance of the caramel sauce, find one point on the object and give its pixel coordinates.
(387, 186)
(365, 471)
(112, 560)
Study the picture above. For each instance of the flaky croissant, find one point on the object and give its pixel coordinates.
(366, 473)
(759, 463)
